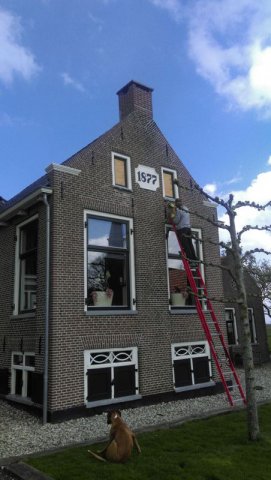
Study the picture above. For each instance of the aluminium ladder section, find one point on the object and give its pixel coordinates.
(215, 339)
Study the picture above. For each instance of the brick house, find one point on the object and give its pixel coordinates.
(256, 318)
(91, 311)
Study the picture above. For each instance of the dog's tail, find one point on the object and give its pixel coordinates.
(97, 456)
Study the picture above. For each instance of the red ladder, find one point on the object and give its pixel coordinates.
(213, 333)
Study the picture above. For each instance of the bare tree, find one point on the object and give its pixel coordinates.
(261, 272)
(234, 248)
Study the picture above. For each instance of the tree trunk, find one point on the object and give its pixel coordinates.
(247, 353)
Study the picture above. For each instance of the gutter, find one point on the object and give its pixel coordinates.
(47, 292)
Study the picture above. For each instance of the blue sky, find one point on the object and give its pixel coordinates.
(209, 63)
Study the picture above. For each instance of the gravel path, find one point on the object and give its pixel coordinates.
(23, 434)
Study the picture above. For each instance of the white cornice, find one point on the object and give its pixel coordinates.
(62, 168)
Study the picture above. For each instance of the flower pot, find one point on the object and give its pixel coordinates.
(177, 299)
(102, 299)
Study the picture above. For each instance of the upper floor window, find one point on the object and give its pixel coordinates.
(180, 292)
(231, 326)
(170, 190)
(121, 170)
(109, 265)
(26, 267)
(252, 327)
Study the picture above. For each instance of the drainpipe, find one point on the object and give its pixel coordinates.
(47, 291)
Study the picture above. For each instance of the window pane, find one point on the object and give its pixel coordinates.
(17, 359)
(107, 233)
(18, 382)
(108, 272)
(29, 237)
(30, 361)
(230, 332)
(168, 184)
(28, 283)
(120, 172)
(180, 292)
(173, 244)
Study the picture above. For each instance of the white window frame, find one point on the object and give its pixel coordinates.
(190, 355)
(234, 325)
(132, 306)
(109, 358)
(25, 369)
(250, 309)
(201, 266)
(128, 170)
(16, 299)
(175, 187)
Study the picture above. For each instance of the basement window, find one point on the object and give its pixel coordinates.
(22, 368)
(121, 171)
(111, 376)
(191, 365)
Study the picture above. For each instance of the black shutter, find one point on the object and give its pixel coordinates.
(182, 370)
(201, 369)
(124, 381)
(99, 384)
(4, 374)
(35, 387)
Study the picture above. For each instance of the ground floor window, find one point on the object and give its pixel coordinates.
(252, 327)
(110, 375)
(191, 365)
(22, 368)
(231, 326)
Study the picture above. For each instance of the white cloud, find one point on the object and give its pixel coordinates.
(68, 80)
(15, 59)
(230, 43)
(269, 161)
(210, 188)
(259, 192)
(172, 6)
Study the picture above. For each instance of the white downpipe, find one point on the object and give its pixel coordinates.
(47, 292)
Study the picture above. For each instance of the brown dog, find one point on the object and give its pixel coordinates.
(121, 441)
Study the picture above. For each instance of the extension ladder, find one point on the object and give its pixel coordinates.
(213, 333)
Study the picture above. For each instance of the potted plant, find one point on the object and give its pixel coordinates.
(178, 297)
(100, 293)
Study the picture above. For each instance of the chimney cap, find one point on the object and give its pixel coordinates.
(138, 84)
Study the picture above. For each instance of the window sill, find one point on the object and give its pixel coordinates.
(195, 387)
(19, 399)
(90, 313)
(111, 401)
(22, 316)
(125, 189)
(182, 311)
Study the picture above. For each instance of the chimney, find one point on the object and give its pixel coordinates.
(135, 97)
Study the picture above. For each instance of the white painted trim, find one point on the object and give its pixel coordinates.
(62, 168)
(190, 357)
(25, 202)
(175, 187)
(132, 307)
(207, 203)
(128, 170)
(111, 365)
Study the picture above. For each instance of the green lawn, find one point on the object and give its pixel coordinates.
(209, 449)
(268, 328)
